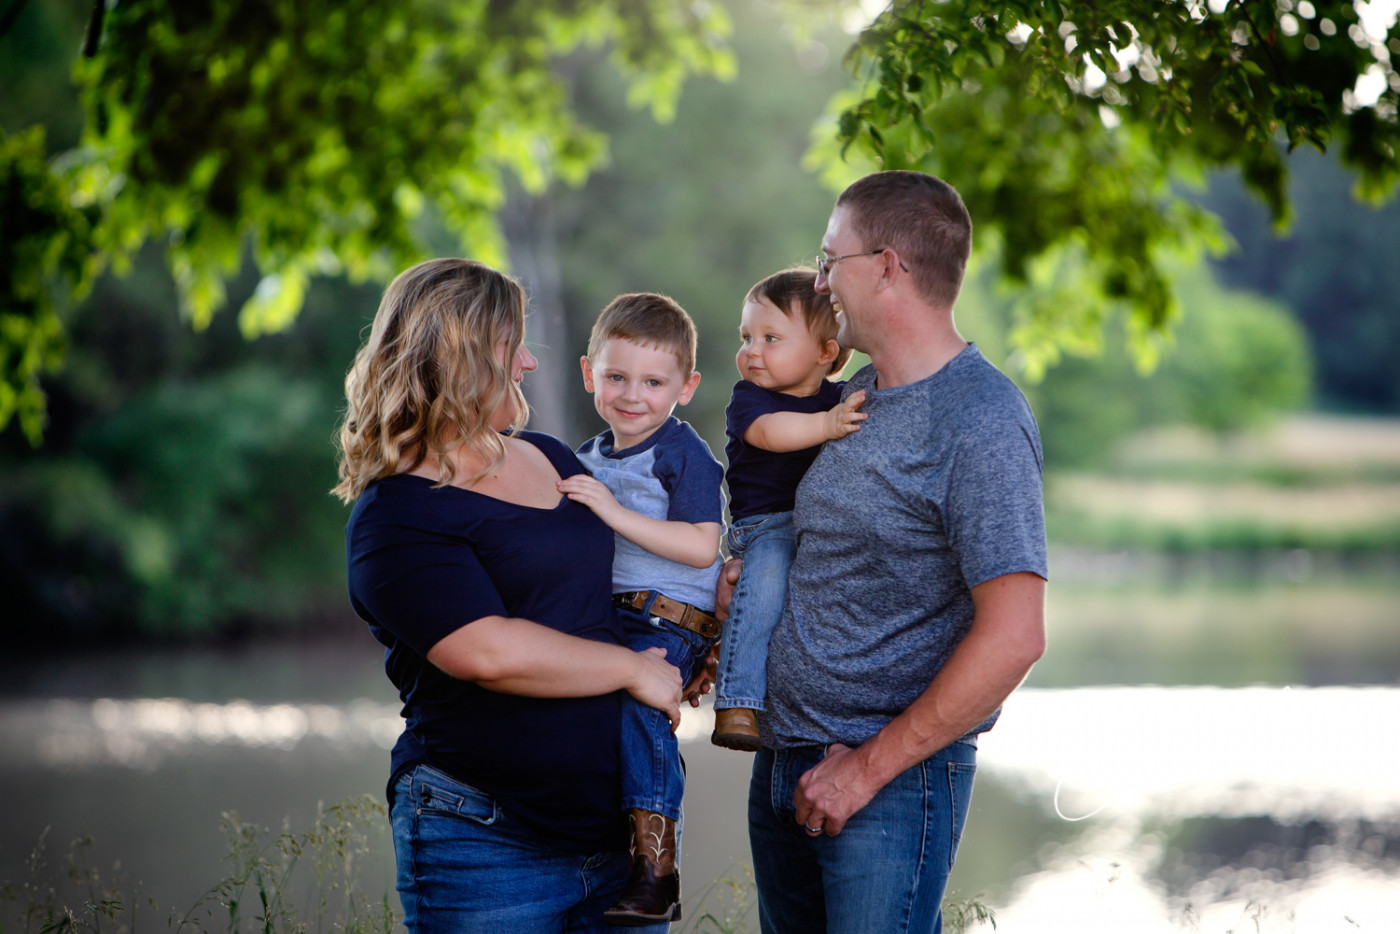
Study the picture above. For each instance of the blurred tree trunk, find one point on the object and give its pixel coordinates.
(529, 227)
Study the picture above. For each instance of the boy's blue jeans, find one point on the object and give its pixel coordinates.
(766, 544)
(653, 775)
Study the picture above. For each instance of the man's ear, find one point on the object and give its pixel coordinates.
(889, 265)
(689, 389)
(587, 372)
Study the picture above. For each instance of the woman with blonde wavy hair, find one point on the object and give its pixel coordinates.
(492, 595)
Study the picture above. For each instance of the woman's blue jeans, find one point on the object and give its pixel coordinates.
(653, 775)
(766, 544)
(466, 867)
(885, 871)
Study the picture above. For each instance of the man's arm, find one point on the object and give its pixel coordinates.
(1006, 639)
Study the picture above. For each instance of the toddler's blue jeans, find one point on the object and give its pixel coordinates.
(766, 544)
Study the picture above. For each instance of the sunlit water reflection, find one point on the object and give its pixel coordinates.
(1298, 785)
(142, 733)
(1169, 809)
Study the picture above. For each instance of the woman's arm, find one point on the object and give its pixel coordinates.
(517, 656)
(797, 431)
(691, 543)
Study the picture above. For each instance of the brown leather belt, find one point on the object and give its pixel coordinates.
(682, 614)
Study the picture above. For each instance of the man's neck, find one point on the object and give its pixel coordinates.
(916, 352)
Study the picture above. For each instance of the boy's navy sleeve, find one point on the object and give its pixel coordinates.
(691, 477)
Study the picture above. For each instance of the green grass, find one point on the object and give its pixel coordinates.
(285, 883)
(300, 882)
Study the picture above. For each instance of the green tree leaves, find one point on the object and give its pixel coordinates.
(45, 237)
(1068, 126)
(314, 133)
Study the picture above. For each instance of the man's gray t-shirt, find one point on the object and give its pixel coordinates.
(939, 491)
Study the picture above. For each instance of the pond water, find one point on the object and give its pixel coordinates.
(1265, 802)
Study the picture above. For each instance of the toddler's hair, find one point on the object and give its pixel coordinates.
(651, 320)
(795, 289)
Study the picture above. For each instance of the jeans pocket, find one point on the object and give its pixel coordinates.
(442, 794)
(960, 778)
(737, 538)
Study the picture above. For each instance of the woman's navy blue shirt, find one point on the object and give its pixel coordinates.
(422, 563)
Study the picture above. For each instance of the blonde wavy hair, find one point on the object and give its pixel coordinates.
(431, 374)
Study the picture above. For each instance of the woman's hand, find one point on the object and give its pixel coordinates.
(657, 683)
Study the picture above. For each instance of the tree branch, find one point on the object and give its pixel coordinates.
(93, 39)
(10, 16)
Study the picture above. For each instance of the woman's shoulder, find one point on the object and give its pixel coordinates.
(393, 507)
(560, 454)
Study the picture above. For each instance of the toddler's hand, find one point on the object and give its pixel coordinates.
(844, 418)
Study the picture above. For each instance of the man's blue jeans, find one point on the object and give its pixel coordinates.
(766, 544)
(885, 871)
(467, 867)
(653, 775)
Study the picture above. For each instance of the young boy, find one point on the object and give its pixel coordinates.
(780, 413)
(656, 484)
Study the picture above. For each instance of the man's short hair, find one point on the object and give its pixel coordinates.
(651, 320)
(923, 218)
(794, 291)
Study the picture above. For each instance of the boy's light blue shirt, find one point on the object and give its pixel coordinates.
(671, 476)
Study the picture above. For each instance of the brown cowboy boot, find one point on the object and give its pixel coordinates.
(653, 891)
(737, 728)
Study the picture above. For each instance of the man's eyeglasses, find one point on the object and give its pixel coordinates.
(824, 262)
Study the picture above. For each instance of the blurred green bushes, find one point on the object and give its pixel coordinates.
(182, 490)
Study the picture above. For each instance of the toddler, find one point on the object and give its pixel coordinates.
(782, 410)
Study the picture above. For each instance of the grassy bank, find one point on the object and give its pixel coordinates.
(1323, 484)
(302, 881)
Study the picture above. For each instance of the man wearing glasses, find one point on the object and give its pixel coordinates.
(917, 594)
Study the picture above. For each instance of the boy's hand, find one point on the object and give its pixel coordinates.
(844, 418)
(582, 488)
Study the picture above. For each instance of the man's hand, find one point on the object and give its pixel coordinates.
(831, 791)
(704, 680)
(724, 587)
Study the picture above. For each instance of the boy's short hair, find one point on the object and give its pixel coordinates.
(649, 319)
(795, 289)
